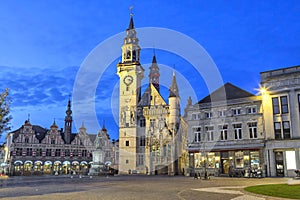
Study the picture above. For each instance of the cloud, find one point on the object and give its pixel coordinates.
(35, 86)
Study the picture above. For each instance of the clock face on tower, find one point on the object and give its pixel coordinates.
(128, 80)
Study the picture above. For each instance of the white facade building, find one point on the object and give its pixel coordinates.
(281, 107)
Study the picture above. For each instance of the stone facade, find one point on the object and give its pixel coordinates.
(225, 132)
(33, 150)
(281, 108)
(149, 127)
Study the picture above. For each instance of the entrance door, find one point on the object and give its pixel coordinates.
(279, 163)
(225, 166)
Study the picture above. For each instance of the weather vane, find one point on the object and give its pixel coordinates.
(130, 8)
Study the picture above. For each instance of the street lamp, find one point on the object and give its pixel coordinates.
(205, 159)
(172, 149)
(150, 135)
(205, 154)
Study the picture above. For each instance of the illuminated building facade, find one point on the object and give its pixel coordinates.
(149, 127)
(281, 107)
(225, 132)
(33, 150)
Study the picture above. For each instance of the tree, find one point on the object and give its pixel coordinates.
(4, 111)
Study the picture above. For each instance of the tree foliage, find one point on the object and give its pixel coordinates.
(5, 117)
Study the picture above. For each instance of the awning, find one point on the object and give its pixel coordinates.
(18, 162)
(107, 163)
(48, 162)
(83, 163)
(75, 162)
(66, 163)
(57, 162)
(28, 161)
(38, 162)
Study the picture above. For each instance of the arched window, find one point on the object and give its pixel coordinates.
(133, 55)
(128, 55)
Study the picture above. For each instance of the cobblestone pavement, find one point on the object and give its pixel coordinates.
(131, 187)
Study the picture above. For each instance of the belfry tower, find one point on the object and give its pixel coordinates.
(68, 124)
(131, 73)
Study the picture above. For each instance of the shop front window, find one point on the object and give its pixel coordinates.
(279, 163)
(47, 167)
(254, 159)
(239, 159)
(199, 160)
(291, 160)
(18, 168)
(57, 167)
(211, 160)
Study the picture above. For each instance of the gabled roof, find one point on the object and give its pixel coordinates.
(39, 132)
(150, 95)
(229, 90)
(92, 137)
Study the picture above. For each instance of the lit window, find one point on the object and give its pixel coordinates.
(290, 160)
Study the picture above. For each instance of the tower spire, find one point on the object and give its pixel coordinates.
(68, 123)
(130, 48)
(131, 24)
(174, 88)
(154, 73)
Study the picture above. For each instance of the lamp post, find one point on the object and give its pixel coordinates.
(172, 150)
(205, 155)
(150, 133)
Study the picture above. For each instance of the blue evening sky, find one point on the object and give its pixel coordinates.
(44, 43)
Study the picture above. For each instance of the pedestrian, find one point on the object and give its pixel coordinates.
(195, 175)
